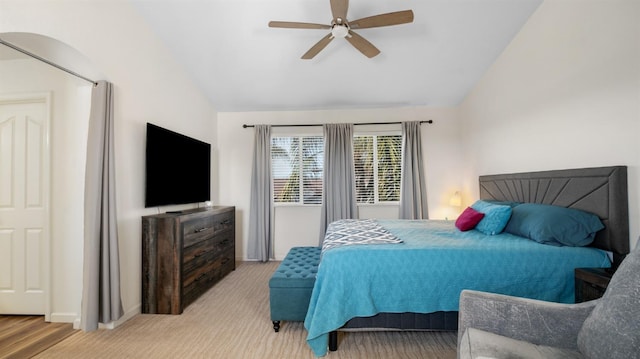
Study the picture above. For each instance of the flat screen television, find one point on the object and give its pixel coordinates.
(177, 169)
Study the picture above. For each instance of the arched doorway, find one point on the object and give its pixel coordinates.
(55, 264)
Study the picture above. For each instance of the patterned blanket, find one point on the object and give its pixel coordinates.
(346, 232)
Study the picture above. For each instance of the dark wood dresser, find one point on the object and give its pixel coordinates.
(183, 255)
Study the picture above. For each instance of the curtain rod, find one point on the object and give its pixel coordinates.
(319, 124)
(8, 44)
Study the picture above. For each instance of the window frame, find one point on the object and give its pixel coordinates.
(301, 179)
(376, 180)
(300, 135)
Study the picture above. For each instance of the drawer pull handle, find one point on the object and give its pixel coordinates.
(226, 221)
(200, 230)
(225, 260)
(200, 277)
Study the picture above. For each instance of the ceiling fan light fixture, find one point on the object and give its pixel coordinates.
(340, 27)
(339, 30)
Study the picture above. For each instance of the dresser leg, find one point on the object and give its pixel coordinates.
(276, 325)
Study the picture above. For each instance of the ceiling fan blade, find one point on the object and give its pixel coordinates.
(315, 49)
(388, 19)
(362, 44)
(339, 9)
(297, 25)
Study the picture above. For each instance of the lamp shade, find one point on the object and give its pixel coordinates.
(455, 200)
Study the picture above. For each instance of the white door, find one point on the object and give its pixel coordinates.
(24, 191)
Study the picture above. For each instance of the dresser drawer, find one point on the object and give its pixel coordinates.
(223, 222)
(198, 255)
(198, 284)
(223, 242)
(197, 230)
(198, 274)
(201, 229)
(201, 279)
(205, 266)
(228, 262)
(206, 251)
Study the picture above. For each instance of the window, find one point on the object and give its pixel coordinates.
(296, 164)
(378, 165)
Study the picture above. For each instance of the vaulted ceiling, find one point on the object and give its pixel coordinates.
(244, 65)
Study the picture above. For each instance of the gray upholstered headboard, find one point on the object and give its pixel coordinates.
(601, 190)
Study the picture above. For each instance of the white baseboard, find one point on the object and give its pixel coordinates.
(126, 316)
(63, 317)
(75, 319)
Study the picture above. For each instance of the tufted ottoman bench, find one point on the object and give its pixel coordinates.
(291, 285)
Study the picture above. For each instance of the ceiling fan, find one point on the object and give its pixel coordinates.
(341, 27)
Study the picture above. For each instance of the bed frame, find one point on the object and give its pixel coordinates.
(601, 190)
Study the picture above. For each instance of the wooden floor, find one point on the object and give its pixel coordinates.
(25, 336)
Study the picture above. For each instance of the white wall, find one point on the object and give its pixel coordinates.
(149, 86)
(68, 131)
(564, 94)
(300, 225)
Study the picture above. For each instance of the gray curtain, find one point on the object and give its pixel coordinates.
(339, 188)
(413, 193)
(101, 301)
(261, 212)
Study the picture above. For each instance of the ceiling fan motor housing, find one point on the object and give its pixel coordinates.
(339, 30)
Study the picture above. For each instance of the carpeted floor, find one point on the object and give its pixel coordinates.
(232, 320)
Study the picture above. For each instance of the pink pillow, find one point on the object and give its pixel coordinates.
(468, 219)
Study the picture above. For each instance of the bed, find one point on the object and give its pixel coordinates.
(415, 285)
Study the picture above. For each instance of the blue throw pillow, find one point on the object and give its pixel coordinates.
(495, 217)
(503, 203)
(554, 225)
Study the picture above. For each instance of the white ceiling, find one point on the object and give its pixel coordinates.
(243, 65)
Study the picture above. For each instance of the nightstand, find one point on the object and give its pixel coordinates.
(591, 283)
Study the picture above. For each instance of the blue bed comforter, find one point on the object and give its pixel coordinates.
(427, 272)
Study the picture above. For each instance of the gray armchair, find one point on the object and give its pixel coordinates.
(499, 326)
